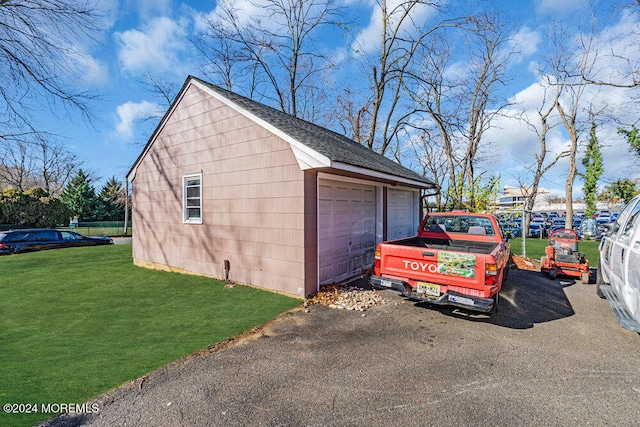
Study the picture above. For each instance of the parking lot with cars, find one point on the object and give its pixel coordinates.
(541, 225)
(554, 354)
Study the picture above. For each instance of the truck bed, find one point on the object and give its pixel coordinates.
(448, 244)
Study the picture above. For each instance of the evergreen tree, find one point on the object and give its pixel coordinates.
(80, 197)
(633, 136)
(113, 200)
(592, 162)
(624, 189)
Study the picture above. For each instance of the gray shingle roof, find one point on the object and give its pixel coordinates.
(334, 146)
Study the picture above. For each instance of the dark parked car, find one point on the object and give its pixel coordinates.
(18, 241)
(511, 228)
(576, 222)
(537, 228)
(555, 224)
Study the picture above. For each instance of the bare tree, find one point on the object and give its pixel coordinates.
(616, 63)
(271, 54)
(544, 158)
(438, 97)
(16, 169)
(164, 89)
(224, 59)
(40, 71)
(566, 62)
(460, 107)
(351, 115)
(489, 55)
(391, 63)
(433, 164)
(39, 56)
(39, 162)
(56, 166)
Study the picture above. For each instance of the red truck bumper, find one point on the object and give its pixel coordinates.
(450, 298)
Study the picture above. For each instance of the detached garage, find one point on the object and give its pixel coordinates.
(228, 187)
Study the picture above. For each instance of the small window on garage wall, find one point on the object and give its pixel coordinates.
(192, 198)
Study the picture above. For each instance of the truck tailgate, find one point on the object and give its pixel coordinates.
(434, 266)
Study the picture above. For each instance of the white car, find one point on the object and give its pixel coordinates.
(618, 275)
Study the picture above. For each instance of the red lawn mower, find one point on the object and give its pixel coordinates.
(562, 257)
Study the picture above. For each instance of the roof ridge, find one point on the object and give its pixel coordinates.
(342, 152)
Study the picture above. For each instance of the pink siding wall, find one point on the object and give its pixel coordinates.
(253, 200)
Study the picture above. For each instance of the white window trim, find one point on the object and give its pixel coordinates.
(185, 216)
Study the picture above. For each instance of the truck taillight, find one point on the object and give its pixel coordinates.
(376, 262)
(490, 272)
(491, 269)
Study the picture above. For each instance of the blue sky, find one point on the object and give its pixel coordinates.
(144, 36)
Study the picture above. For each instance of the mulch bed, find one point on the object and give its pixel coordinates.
(520, 263)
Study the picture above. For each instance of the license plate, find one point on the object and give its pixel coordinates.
(461, 300)
(430, 289)
(386, 283)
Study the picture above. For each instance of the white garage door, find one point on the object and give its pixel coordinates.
(346, 229)
(401, 214)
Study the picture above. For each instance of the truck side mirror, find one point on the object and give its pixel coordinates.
(608, 228)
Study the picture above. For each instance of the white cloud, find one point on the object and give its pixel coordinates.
(369, 39)
(456, 71)
(559, 7)
(245, 11)
(130, 112)
(147, 9)
(616, 54)
(91, 70)
(525, 42)
(110, 10)
(156, 46)
(517, 143)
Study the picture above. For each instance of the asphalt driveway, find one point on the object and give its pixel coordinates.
(553, 355)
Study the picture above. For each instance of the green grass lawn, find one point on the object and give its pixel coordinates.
(535, 249)
(75, 323)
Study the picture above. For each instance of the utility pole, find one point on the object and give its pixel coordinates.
(126, 206)
(524, 232)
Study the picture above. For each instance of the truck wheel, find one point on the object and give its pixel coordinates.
(553, 274)
(599, 281)
(584, 278)
(496, 300)
(543, 261)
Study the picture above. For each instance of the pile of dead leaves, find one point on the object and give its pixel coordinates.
(345, 297)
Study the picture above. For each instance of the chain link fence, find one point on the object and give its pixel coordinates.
(100, 228)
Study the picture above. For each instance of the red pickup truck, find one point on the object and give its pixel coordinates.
(457, 258)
